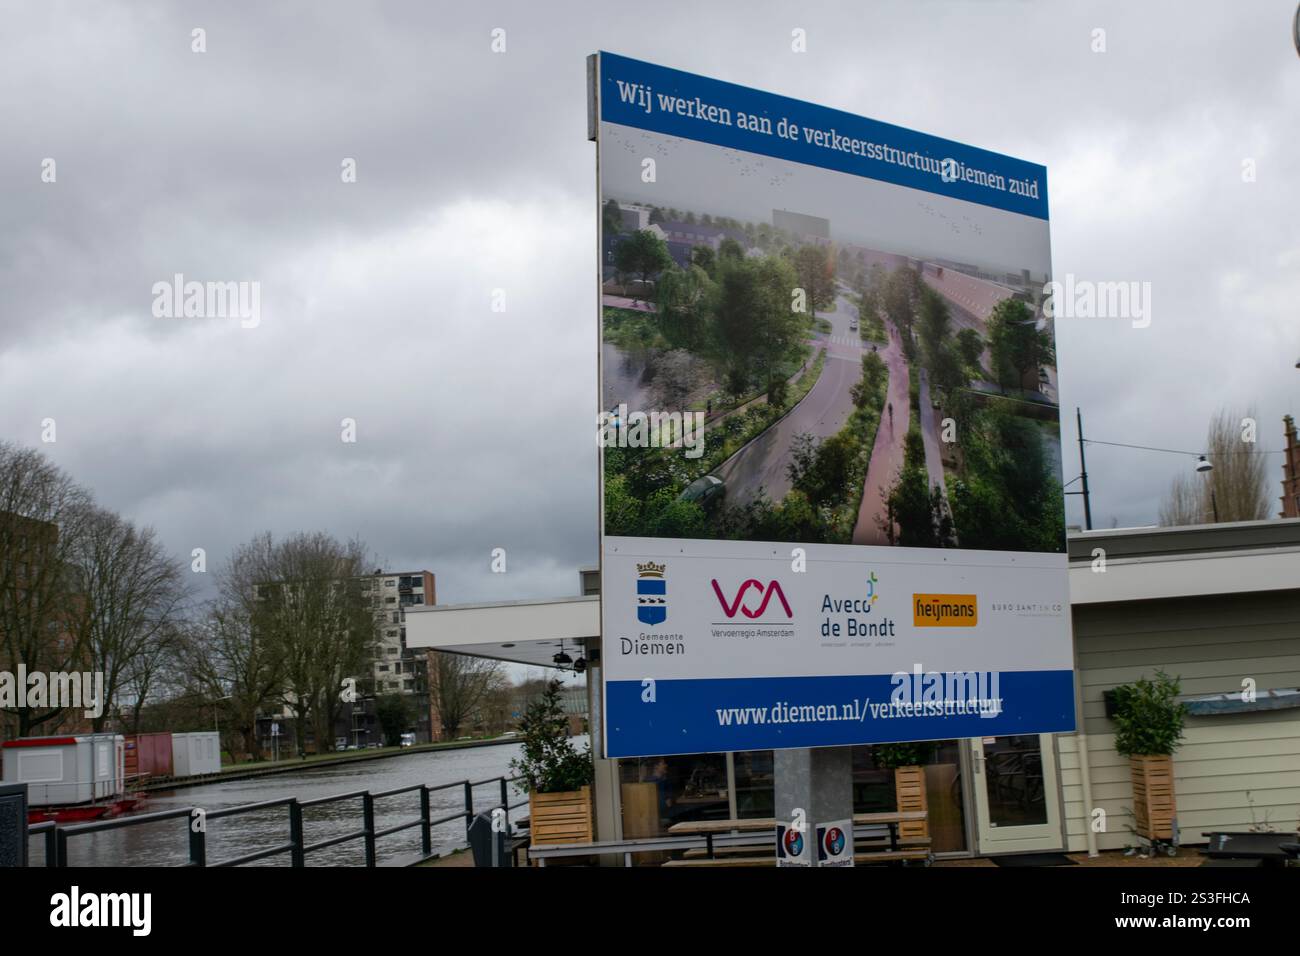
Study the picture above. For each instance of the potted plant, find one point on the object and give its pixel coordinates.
(1149, 725)
(905, 760)
(556, 774)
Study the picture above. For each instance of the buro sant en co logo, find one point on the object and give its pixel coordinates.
(651, 593)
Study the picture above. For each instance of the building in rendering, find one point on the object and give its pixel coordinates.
(809, 228)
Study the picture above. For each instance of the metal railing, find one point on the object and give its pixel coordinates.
(57, 838)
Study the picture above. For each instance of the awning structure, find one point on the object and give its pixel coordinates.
(522, 632)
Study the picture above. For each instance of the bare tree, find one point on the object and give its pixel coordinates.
(320, 622)
(459, 685)
(131, 592)
(154, 672)
(42, 514)
(1236, 489)
(227, 665)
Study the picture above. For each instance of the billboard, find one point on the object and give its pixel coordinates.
(832, 507)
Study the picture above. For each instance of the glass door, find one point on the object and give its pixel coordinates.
(1016, 794)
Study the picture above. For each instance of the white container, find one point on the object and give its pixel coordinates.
(196, 753)
(67, 770)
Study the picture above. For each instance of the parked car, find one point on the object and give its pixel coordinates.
(408, 740)
(340, 743)
(707, 492)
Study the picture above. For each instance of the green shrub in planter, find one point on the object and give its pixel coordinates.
(549, 762)
(893, 756)
(1149, 717)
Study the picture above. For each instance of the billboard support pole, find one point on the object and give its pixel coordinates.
(818, 782)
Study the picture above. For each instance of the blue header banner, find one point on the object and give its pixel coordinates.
(655, 98)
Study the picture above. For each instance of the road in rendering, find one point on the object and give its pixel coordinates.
(887, 454)
(764, 463)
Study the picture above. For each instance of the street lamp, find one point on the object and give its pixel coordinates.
(1204, 467)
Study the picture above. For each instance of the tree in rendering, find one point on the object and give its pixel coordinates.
(899, 302)
(611, 218)
(972, 347)
(934, 324)
(706, 259)
(1018, 347)
(684, 303)
(756, 329)
(643, 254)
(815, 271)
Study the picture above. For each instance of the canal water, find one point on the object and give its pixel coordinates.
(166, 843)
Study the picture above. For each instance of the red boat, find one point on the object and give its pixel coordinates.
(72, 778)
(82, 813)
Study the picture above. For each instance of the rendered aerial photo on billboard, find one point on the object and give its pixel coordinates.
(829, 426)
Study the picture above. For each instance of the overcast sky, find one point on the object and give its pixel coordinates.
(475, 428)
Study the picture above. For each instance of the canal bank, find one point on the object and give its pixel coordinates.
(345, 812)
(255, 771)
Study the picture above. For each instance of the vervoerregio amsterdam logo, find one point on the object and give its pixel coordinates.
(651, 593)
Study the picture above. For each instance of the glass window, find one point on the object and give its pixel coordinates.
(658, 792)
(873, 792)
(755, 788)
(873, 785)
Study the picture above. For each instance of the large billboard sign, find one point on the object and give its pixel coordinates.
(831, 475)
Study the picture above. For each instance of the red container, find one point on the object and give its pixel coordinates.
(148, 755)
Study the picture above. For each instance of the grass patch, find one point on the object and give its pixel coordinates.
(630, 329)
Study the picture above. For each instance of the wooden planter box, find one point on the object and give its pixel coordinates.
(560, 817)
(1154, 808)
(909, 789)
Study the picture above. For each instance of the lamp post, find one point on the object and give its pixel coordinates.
(1204, 467)
(1083, 474)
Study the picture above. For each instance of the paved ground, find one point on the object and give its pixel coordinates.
(887, 453)
(930, 434)
(626, 302)
(764, 462)
(1187, 856)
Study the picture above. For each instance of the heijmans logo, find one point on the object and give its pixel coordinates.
(651, 594)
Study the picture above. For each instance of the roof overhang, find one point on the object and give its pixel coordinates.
(1159, 563)
(522, 632)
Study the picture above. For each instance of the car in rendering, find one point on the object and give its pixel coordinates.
(706, 491)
